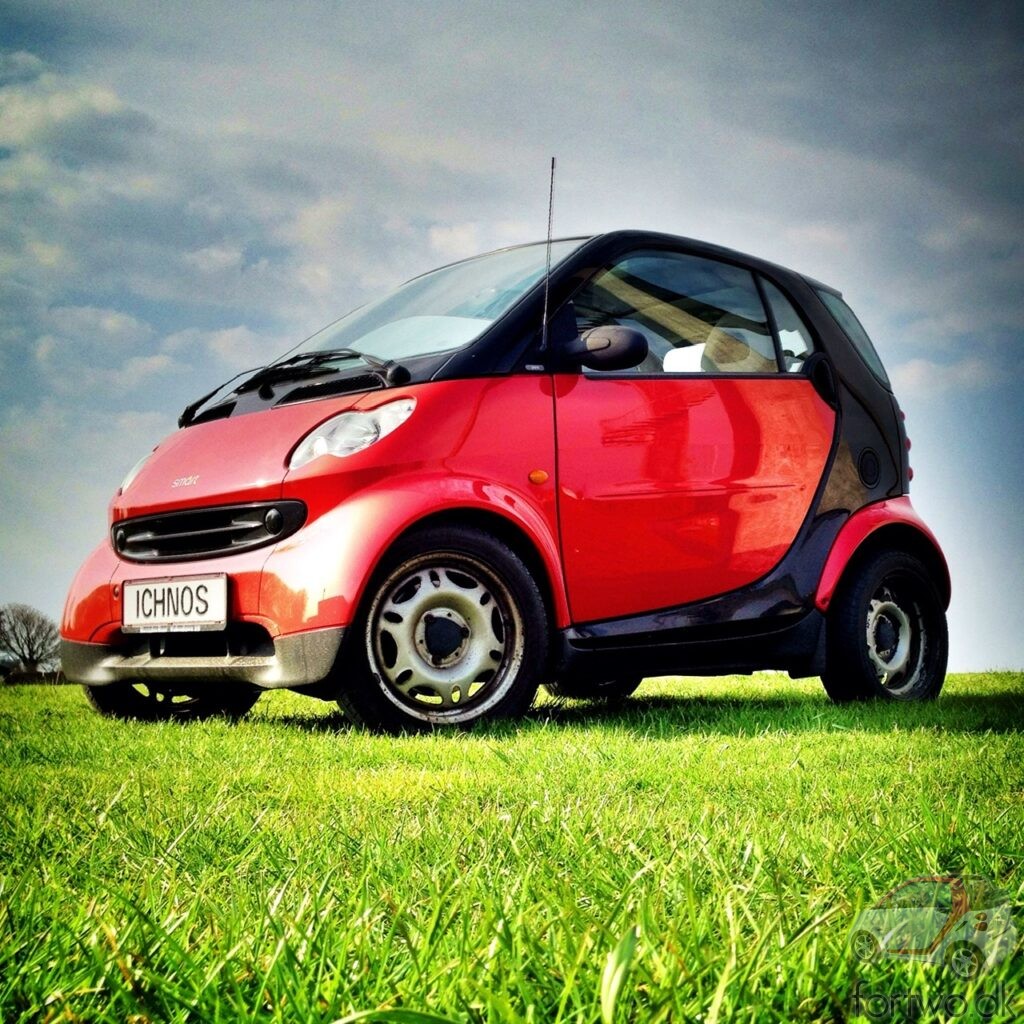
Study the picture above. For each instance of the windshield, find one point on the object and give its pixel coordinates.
(443, 309)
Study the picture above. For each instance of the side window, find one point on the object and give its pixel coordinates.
(699, 315)
(794, 336)
(844, 316)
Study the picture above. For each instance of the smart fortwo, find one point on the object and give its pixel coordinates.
(694, 464)
(963, 922)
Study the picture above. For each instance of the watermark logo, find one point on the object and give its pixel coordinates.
(961, 922)
(945, 1006)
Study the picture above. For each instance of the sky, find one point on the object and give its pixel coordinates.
(187, 191)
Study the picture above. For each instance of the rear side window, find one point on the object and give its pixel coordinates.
(795, 339)
(847, 320)
(698, 315)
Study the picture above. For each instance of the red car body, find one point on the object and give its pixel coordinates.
(694, 522)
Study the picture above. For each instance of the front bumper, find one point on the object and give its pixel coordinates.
(299, 659)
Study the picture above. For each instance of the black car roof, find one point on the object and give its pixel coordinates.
(712, 250)
(640, 237)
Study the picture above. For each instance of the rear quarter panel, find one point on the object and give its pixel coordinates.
(858, 528)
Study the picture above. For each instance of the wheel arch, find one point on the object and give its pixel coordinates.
(888, 525)
(320, 577)
(510, 533)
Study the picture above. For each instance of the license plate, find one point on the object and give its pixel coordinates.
(185, 605)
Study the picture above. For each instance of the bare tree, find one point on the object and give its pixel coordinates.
(28, 635)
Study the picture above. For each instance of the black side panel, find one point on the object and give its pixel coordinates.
(904, 450)
(867, 465)
(795, 644)
(783, 595)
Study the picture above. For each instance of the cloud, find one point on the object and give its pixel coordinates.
(928, 378)
(454, 241)
(820, 235)
(92, 348)
(138, 370)
(318, 225)
(71, 374)
(95, 325)
(19, 66)
(231, 348)
(76, 123)
(215, 259)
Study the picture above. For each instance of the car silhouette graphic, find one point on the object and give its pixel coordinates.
(963, 922)
(694, 463)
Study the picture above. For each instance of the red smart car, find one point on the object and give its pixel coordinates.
(694, 465)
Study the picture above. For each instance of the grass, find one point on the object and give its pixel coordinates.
(698, 855)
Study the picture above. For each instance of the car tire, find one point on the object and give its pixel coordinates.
(453, 630)
(610, 691)
(886, 632)
(965, 960)
(152, 702)
(865, 946)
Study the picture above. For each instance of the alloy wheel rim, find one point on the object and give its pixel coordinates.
(445, 637)
(964, 963)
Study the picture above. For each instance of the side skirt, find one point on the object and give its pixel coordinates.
(794, 643)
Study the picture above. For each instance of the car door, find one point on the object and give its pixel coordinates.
(689, 475)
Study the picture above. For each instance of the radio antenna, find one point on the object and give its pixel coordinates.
(547, 264)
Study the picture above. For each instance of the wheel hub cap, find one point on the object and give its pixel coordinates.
(889, 636)
(442, 637)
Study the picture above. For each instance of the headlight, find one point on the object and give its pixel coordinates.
(351, 432)
(134, 472)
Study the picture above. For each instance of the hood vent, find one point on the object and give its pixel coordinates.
(344, 386)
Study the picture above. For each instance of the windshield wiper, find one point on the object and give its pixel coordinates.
(305, 364)
(289, 369)
(392, 371)
(310, 364)
(189, 412)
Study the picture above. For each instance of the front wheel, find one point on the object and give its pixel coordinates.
(865, 946)
(453, 631)
(887, 635)
(159, 702)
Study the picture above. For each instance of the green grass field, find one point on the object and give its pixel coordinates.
(698, 855)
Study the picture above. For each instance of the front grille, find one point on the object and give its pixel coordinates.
(206, 532)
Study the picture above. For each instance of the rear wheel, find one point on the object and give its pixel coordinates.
(887, 635)
(610, 690)
(160, 702)
(453, 631)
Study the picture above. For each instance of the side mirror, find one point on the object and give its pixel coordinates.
(609, 348)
